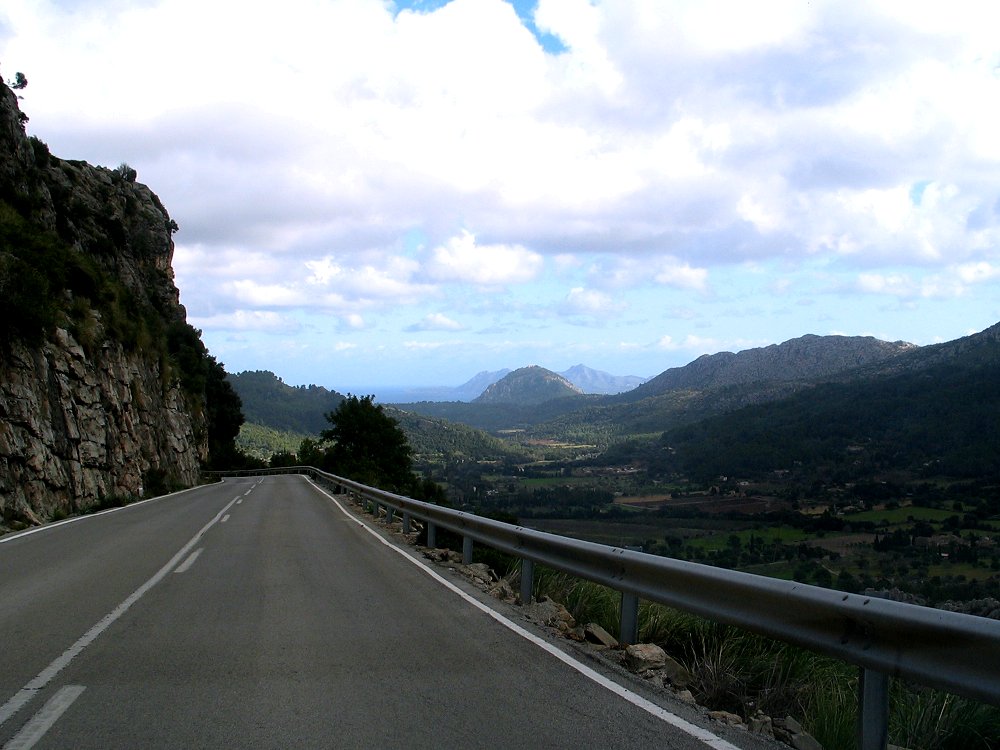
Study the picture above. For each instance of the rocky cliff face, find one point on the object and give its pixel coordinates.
(75, 429)
(91, 404)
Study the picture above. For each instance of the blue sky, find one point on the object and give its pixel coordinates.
(384, 194)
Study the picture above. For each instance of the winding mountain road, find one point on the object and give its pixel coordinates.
(261, 613)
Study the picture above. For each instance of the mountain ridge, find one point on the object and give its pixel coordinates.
(587, 379)
(708, 385)
(929, 410)
(806, 357)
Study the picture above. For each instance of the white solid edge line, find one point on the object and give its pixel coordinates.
(74, 519)
(623, 692)
(29, 691)
(48, 715)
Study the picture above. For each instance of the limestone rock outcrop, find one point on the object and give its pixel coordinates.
(75, 430)
(84, 414)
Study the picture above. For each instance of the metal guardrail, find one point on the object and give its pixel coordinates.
(953, 652)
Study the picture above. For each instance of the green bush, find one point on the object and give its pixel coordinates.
(25, 305)
(41, 152)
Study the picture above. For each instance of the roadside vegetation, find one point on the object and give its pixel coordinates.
(736, 671)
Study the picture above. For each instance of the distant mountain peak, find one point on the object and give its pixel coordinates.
(479, 382)
(590, 380)
(528, 385)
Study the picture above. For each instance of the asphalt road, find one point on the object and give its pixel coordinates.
(257, 613)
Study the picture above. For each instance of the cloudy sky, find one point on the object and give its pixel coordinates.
(373, 193)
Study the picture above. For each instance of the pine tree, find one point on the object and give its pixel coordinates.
(368, 445)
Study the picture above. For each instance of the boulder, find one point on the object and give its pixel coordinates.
(675, 673)
(594, 633)
(482, 572)
(761, 724)
(551, 613)
(791, 732)
(727, 718)
(642, 656)
(503, 590)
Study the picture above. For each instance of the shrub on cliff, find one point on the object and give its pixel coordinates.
(200, 373)
(45, 284)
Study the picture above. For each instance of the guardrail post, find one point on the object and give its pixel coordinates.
(431, 535)
(406, 523)
(628, 632)
(873, 710)
(466, 550)
(527, 580)
(390, 513)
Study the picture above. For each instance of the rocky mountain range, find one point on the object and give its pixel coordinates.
(711, 384)
(587, 379)
(541, 405)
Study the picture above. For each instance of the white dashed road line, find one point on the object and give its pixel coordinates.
(23, 696)
(48, 715)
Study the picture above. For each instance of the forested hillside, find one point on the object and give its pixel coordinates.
(437, 441)
(936, 419)
(280, 416)
(269, 401)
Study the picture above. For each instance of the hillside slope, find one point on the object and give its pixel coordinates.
(269, 401)
(808, 357)
(437, 441)
(933, 410)
(528, 385)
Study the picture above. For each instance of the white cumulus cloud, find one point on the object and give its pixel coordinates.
(462, 259)
(436, 322)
